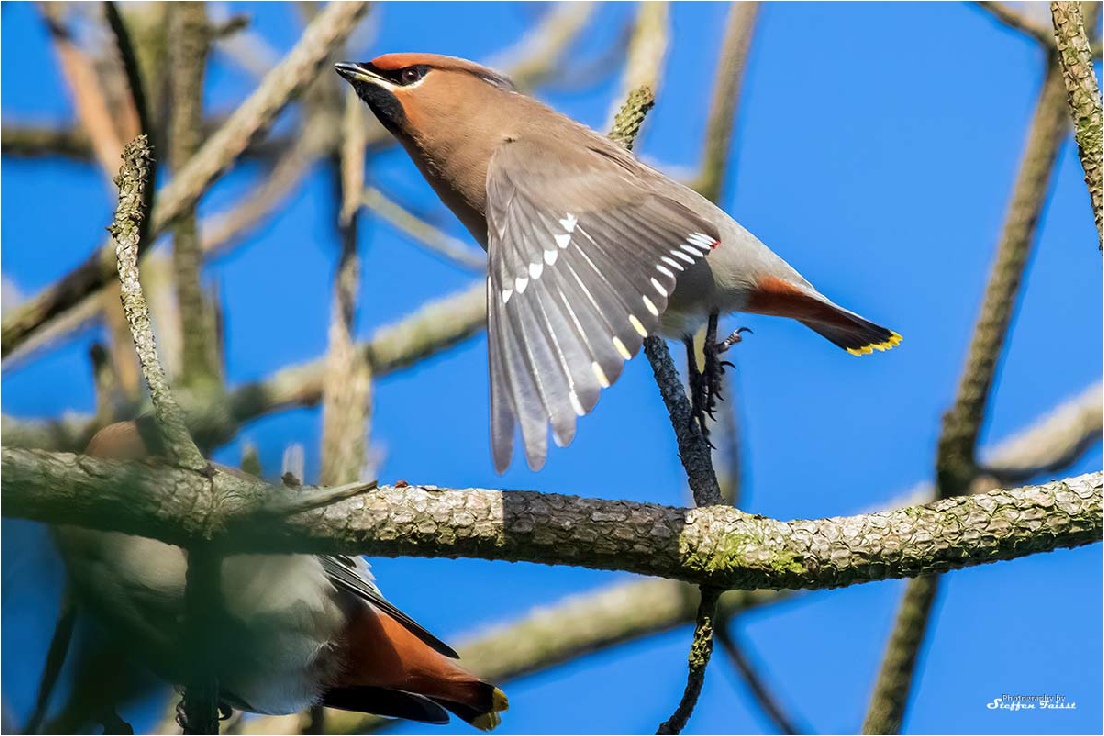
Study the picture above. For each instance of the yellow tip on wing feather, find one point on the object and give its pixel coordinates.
(893, 341)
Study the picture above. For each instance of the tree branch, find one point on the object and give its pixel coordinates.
(589, 622)
(716, 160)
(132, 183)
(347, 386)
(956, 461)
(717, 545)
(763, 697)
(189, 44)
(1017, 21)
(955, 464)
(435, 327)
(448, 247)
(1083, 95)
(297, 69)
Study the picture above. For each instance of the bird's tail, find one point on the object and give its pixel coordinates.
(797, 299)
(855, 334)
(481, 705)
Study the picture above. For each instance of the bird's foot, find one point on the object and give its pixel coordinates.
(732, 339)
(712, 375)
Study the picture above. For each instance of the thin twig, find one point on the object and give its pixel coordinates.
(1083, 95)
(317, 499)
(450, 248)
(700, 652)
(759, 691)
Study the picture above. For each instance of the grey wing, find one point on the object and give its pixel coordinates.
(583, 257)
(352, 574)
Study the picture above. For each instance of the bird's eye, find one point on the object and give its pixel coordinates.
(411, 74)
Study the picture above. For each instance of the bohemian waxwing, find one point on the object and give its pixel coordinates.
(589, 249)
(297, 629)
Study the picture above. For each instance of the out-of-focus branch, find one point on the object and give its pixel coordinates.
(435, 327)
(956, 461)
(85, 90)
(537, 55)
(716, 158)
(647, 49)
(223, 231)
(1083, 95)
(1054, 443)
(955, 465)
(346, 388)
(300, 67)
(448, 247)
(1018, 21)
(748, 673)
(189, 42)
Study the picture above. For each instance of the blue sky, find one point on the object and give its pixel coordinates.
(875, 150)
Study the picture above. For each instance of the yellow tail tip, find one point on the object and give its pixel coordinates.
(488, 721)
(893, 341)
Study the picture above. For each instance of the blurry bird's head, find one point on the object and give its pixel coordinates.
(413, 93)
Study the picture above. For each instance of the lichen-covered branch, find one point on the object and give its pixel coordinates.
(717, 545)
(1083, 95)
(298, 68)
(126, 228)
(701, 650)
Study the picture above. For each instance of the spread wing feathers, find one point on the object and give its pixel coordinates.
(352, 574)
(582, 259)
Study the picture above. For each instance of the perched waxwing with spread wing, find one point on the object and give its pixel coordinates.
(590, 250)
(297, 629)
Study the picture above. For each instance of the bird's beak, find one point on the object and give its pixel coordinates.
(356, 73)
